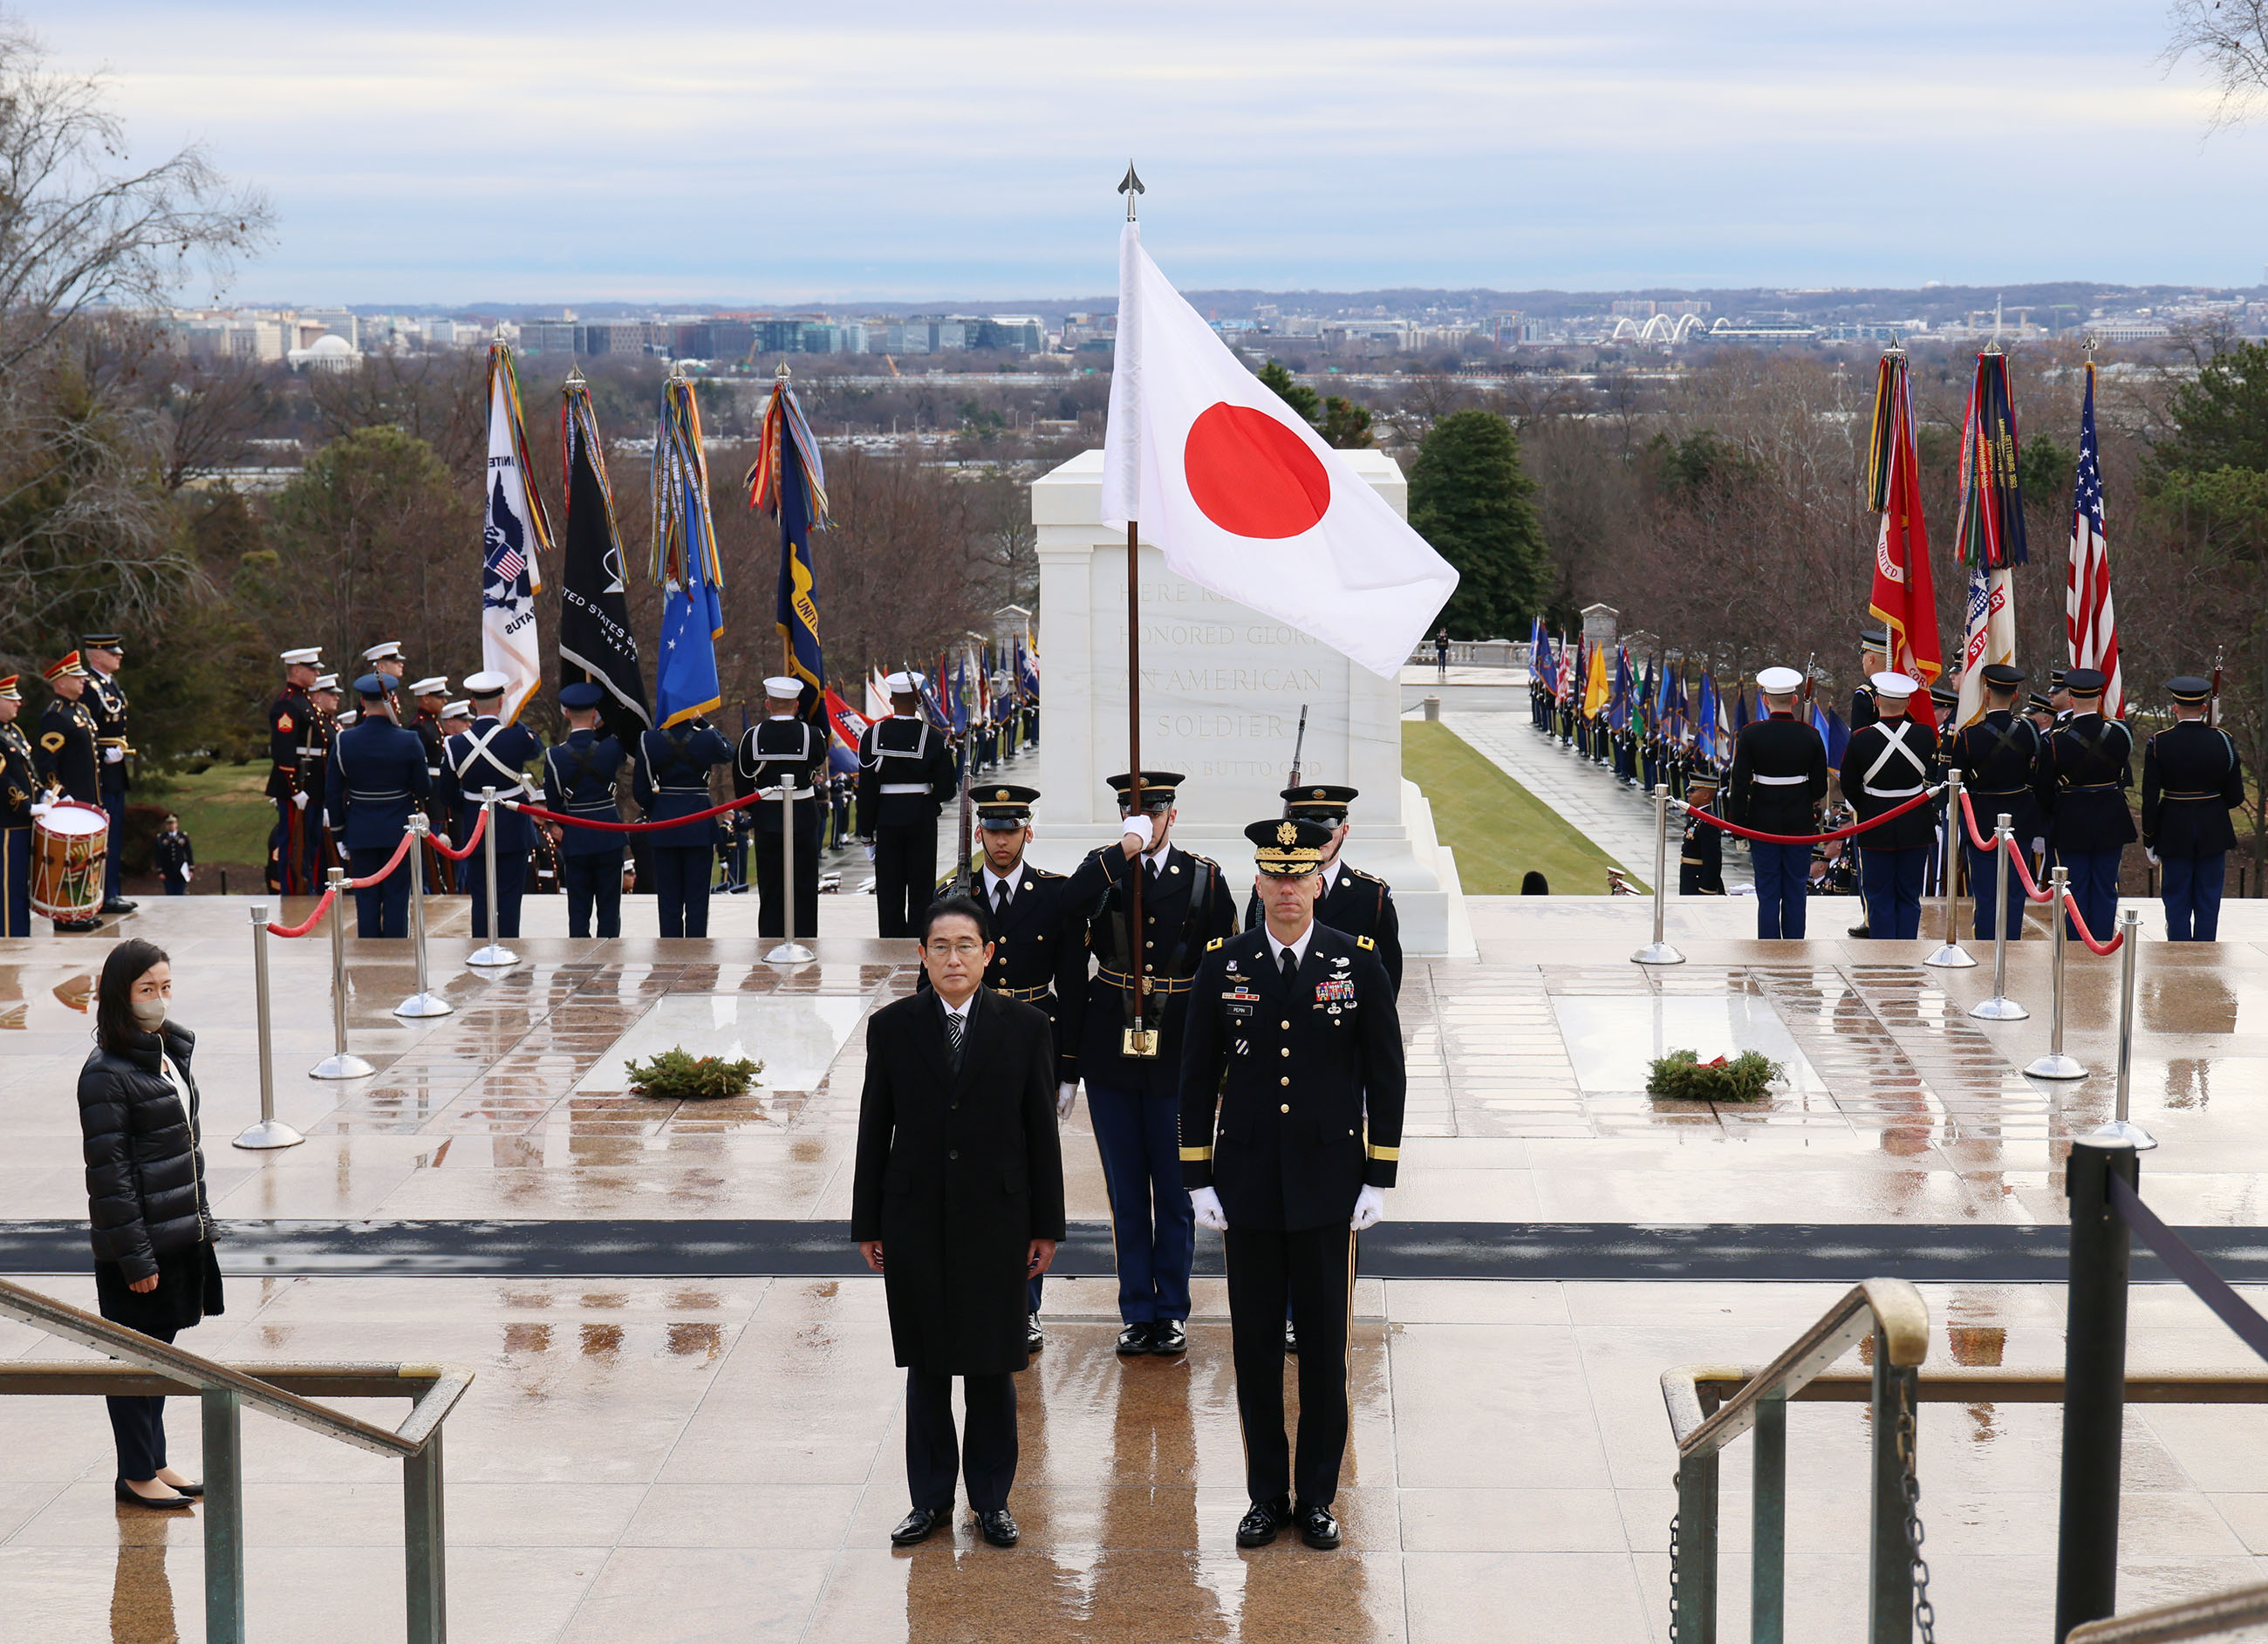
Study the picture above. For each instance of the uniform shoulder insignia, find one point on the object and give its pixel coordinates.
(283, 724)
(1215, 943)
(1208, 861)
(53, 740)
(1365, 943)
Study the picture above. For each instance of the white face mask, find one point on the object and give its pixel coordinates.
(149, 1014)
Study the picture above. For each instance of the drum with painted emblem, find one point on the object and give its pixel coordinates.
(69, 845)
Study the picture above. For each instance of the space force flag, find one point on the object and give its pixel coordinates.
(1241, 495)
(595, 642)
(514, 536)
(685, 563)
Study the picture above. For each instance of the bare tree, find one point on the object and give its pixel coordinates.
(2231, 38)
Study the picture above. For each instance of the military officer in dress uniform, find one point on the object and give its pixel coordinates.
(2192, 780)
(490, 754)
(581, 774)
(2059, 697)
(906, 772)
(1133, 1088)
(455, 716)
(1998, 760)
(385, 659)
(669, 778)
(1291, 1083)
(785, 748)
(1874, 657)
(1885, 765)
(375, 777)
(1352, 902)
(287, 718)
(1779, 777)
(67, 760)
(20, 789)
(102, 656)
(2085, 773)
(1701, 857)
(321, 731)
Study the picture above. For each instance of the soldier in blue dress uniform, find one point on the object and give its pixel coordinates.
(2192, 780)
(783, 748)
(490, 754)
(19, 791)
(669, 778)
(103, 655)
(906, 771)
(2084, 776)
(376, 777)
(581, 776)
(1998, 758)
(1885, 765)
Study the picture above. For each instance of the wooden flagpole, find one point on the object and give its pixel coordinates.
(1137, 1041)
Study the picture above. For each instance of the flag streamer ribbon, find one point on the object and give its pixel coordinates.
(1903, 599)
(1989, 531)
(789, 481)
(685, 562)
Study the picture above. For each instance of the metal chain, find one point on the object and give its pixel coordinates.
(1924, 1613)
(1675, 1480)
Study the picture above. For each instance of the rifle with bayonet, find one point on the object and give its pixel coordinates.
(1299, 744)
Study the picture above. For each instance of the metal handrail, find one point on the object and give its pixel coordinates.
(2191, 1618)
(1890, 1305)
(146, 1367)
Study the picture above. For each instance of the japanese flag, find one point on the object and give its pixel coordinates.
(1242, 495)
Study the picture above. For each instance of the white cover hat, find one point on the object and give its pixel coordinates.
(437, 685)
(786, 687)
(325, 682)
(1896, 686)
(456, 710)
(1779, 682)
(903, 683)
(306, 657)
(385, 650)
(348, 718)
(487, 683)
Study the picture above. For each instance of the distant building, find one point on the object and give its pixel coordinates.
(329, 352)
(551, 336)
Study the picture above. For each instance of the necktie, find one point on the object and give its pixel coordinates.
(955, 1026)
(1291, 967)
(1000, 900)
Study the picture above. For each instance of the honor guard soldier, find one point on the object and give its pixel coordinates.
(906, 772)
(2192, 780)
(669, 778)
(2085, 773)
(581, 774)
(2059, 700)
(1133, 1086)
(376, 777)
(103, 655)
(1701, 857)
(385, 659)
(1874, 657)
(1351, 902)
(1998, 758)
(490, 754)
(455, 716)
(1885, 765)
(1293, 1083)
(783, 749)
(321, 731)
(66, 759)
(287, 719)
(19, 791)
(1779, 778)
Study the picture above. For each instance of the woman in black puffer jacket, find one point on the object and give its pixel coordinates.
(151, 1224)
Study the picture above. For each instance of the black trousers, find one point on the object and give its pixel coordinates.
(593, 881)
(512, 885)
(767, 847)
(383, 910)
(139, 1426)
(680, 886)
(985, 1455)
(905, 875)
(1314, 1268)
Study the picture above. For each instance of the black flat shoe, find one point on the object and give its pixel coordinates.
(185, 1489)
(1317, 1528)
(1167, 1336)
(915, 1526)
(1291, 1339)
(1032, 1339)
(1258, 1526)
(1134, 1340)
(131, 1497)
(997, 1527)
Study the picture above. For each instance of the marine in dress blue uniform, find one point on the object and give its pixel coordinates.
(782, 748)
(2085, 773)
(375, 778)
(1132, 1099)
(581, 776)
(906, 771)
(288, 715)
(1779, 777)
(19, 787)
(490, 754)
(103, 655)
(1998, 758)
(2192, 780)
(1293, 1087)
(1885, 765)
(669, 778)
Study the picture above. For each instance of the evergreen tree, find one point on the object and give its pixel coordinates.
(1469, 498)
(1342, 423)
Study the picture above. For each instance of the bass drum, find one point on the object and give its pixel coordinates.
(69, 845)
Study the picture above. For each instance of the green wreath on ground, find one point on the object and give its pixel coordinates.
(1682, 1076)
(676, 1075)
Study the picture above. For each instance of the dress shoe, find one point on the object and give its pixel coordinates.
(1167, 1336)
(1317, 1528)
(1134, 1338)
(997, 1527)
(1291, 1339)
(119, 905)
(185, 1489)
(1032, 1339)
(915, 1526)
(132, 1497)
(1258, 1526)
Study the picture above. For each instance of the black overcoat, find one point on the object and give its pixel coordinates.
(956, 1174)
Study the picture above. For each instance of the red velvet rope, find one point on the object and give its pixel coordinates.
(542, 815)
(2106, 948)
(330, 894)
(314, 919)
(1984, 841)
(1699, 815)
(458, 852)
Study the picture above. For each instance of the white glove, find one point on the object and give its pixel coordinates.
(2152, 855)
(114, 756)
(299, 800)
(1369, 1208)
(1206, 1203)
(188, 873)
(1066, 1093)
(42, 805)
(870, 851)
(1140, 828)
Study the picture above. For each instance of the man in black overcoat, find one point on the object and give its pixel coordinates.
(957, 1200)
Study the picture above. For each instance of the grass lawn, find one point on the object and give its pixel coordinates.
(1498, 828)
(225, 814)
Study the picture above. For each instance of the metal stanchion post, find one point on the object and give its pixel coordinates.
(1659, 951)
(2000, 1007)
(789, 951)
(339, 1064)
(1951, 955)
(271, 1132)
(2122, 1131)
(494, 953)
(424, 1002)
(2093, 1382)
(2055, 1064)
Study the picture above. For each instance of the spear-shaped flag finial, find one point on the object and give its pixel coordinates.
(1130, 185)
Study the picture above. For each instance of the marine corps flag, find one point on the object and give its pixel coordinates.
(1903, 601)
(595, 642)
(685, 562)
(788, 481)
(514, 536)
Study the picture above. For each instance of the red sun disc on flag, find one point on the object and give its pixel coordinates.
(1253, 476)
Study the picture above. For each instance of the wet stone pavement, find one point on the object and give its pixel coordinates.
(696, 1459)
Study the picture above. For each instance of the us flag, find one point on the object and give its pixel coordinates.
(2089, 621)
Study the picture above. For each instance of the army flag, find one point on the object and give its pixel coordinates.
(1903, 599)
(789, 483)
(514, 537)
(685, 562)
(1988, 532)
(595, 642)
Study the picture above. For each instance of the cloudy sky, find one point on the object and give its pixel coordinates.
(734, 150)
